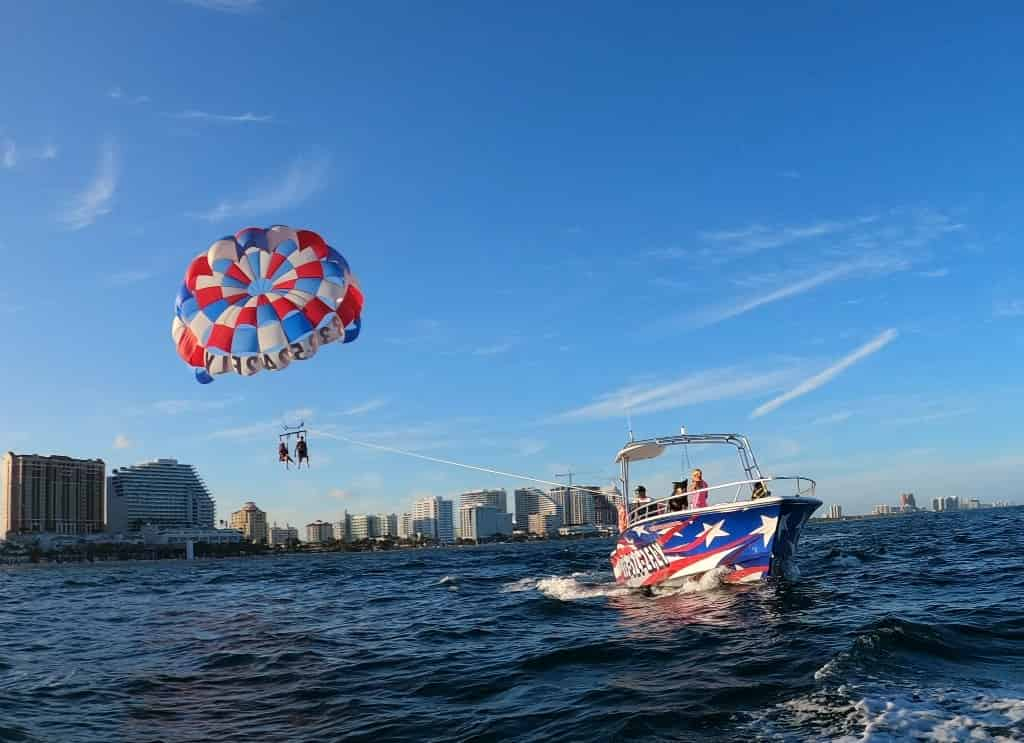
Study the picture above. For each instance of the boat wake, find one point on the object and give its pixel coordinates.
(590, 585)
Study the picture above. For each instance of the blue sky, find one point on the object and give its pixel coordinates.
(802, 224)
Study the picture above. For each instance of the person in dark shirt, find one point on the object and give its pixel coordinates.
(680, 501)
(302, 452)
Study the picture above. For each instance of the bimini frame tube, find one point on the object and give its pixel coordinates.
(746, 454)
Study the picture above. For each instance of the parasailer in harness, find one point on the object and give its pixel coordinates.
(302, 451)
(283, 455)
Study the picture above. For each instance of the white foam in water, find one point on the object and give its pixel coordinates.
(571, 589)
(523, 584)
(942, 717)
(929, 720)
(585, 586)
(848, 561)
(708, 581)
(448, 580)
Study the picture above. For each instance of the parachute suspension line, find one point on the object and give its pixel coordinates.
(438, 460)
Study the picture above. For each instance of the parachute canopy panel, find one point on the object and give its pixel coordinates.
(263, 299)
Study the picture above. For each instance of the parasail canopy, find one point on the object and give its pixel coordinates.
(263, 299)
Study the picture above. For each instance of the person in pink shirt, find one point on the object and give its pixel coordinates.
(699, 490)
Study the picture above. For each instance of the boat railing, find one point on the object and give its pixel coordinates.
(803, 487)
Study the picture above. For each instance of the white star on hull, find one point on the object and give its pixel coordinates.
(767, 528)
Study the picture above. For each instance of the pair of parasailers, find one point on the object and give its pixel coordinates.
(301, 451)
(685, 495)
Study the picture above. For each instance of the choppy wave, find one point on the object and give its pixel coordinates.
(898, 629)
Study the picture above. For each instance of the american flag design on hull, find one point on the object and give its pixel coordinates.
(748, 540)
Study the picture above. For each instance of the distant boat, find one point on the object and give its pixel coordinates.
(750, 537)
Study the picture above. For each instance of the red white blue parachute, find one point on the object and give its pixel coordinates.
(262, 299)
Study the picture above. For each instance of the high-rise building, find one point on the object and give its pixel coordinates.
(483, 522)
(950, 503)
(319, 532)
(342, 529)
(581, 505)
(494, 498)
(527, 503)
(53, 494)
(364, 526)
(907, 502)
(937, 504)
(606, 506)
(544, 523)
(283, 535)
(252, 522)
(160, 493)
(387, 525)
(405, 526)
(432, 518)
(556, 502)
(835, 511)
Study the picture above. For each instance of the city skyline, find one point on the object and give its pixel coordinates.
(687, 237)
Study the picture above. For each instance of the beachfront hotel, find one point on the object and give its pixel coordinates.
(494, 498)
(433, 518)
(252, 522)
(319, 532)
(52, 494)
(479, 522)
(159, 493)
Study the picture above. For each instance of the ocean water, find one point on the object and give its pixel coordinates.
(897, 629)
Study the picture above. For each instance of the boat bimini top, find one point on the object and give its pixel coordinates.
(642, 449)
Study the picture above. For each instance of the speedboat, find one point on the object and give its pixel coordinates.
(748, 531)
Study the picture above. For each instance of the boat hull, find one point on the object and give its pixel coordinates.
(751, 540)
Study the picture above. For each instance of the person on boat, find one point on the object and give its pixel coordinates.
(302, 451)
(643, 503)
(759, 491)
(679, 501)
(699, 489)
(283, 455)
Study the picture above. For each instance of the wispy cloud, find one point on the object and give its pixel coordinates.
(694, 388)
(339, 493)
(530, 447)
(1008, 308)
(494, 349)
(366, 407)
(9, 157)
(246, 118)
(822, 378)
(929, 417)
(937, 273)
(123, 442)
(760, 237)
(119, 95)
(791, 174)
(244, 432)
(125, 278)
(876, 265)
(724, 312)
(95, 201)
(227, 6)
(11, 154)
(179, 407)
(839, 417)
(301, 180)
